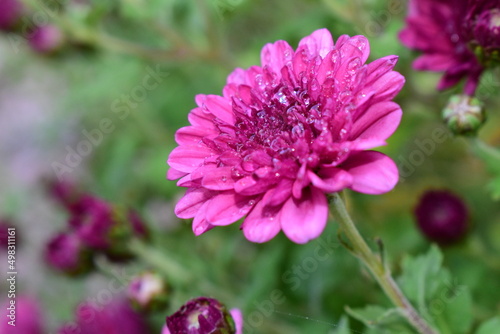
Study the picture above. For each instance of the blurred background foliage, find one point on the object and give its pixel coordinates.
(110, 46)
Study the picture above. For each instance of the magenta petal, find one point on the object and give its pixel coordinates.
(188, 158)
(319, 43)
(378, 122)
(249, 186)
(192, 201)
(373, 172)
(238, 320)
(280, 193)
(219, 106)
(261, 225)
(331, 179)
(356, 46)
(433, 62)
(227, 207)
(219, 179)
(192, 135)
(276, 55)
(174, 174)
(200, 223)
(304, 219)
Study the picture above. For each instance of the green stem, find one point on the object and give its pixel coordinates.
(379, 271)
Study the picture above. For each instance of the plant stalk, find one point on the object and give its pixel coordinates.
(379, 271)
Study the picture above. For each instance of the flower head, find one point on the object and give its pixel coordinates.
(204, 316)
(115, 317)
(66, 252)
(286, 133)
(451, 34)
(46, 39)
(10, 13)
(25, 314)
(442, 216)
(106, 227)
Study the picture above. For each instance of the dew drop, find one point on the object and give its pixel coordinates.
(223, 179)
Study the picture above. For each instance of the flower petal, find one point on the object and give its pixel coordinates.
(373, 172)
(227, 207)
(219, 106)
(238, 320)
(378, 122)
(174, 174)
(219, 179)
(262, 223)
(331, 179)
(319, 43)
(187, 158)
(190, 204)
(276, 55)
(200, 223)
(305, 218)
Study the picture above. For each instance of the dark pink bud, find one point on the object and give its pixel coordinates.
(67, 253)
(94, 222)
(442, 216)
(202, 316)
(106, 227)
(10, 13)
(46, 39)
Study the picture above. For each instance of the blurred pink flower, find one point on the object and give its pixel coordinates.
(286, 133)
(67, 253)
(27, 316)
(458, 38)
(46, 39)
(10, 13)
(116, 317)
(442, 216)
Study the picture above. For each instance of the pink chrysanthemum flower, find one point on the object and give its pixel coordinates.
(285, 134)
(459, 38)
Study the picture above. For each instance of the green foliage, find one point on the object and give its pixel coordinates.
(489, 327)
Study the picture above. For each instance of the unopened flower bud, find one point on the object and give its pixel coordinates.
(10, 13)
(464, 115)
(442, 217)
(487, 36)
(148, 292)
(202, 316)
(46, 39)
(67, 253)
(107, 228)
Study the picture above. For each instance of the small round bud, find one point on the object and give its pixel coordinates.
(442, 216)
(46, 39)
(67, 253)
(202, 316)
(486, 44)
(464, 115)
(148, 292)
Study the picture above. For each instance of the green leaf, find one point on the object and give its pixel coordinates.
(456, 303)
(490, 327)
(422, 276)
(494, 187)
